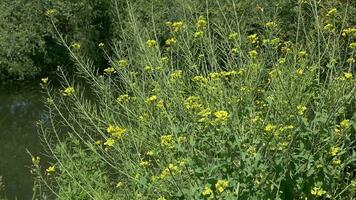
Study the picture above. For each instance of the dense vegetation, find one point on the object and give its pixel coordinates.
(196, 99)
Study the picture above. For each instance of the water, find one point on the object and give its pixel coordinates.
(20, 107)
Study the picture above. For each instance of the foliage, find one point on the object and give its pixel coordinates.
(210, 104)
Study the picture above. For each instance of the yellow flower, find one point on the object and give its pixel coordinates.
(36, 160)
(119, 184)
(151, 43)
(124, 98)
(302, 54)
(144, 163)
(299, 72)
(252, 38)
(98, 142)
(109, 70)
(221, 116)
(101, 45)
(336, 161)
(334, 151)
(200, 79)
(167, 140)
(353, 45)
(68, 91)
(50, 169)
(50, 12)
(317, 191)
(329, 27)
(269, 128)
(109, 142)
(161, 198)
(150, 153)
(76, 45)
(171, 41)
(44, 80)
(177, 26)
(116, 131)
(233, 36)
(207, 191)
(122, 63)
(221, 185)
(199, 34)
(348, 75)
(271, 24)
(331, 12)
(151, 99)
(345, 123)
(176, 74)
(201, 24)
(252, 53)
(234, 51)
(301, 109)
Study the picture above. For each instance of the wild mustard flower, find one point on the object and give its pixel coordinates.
(336, 161)
(50, 170)
(335, 150)
(151, 43)
(317, 191)
(252, 53)
(101, 45)
(331, 12)
(349, 31)
(36, 160)
(201, 23)
(171, 41)
(329, 27)
(116, 131)
(151, 99)
(119, 184)
(148, 68)
(353, 45)
(270, 24)
(299, 72)
(177, 74)
(348, 75)
(124, 98)
(221, 116)
(345, 123)
(50, 12)
(68, 91)
(44, 80)
(109, 142)
(122, 63)
(75, 45)
(177, 26)
(350, 60)
(207, 191)
(144, 163)
(109, 70)
(221, 185)
(161, 198)
(167, 140)
(193, 103)
(160, 104)
(204, 115)
(199, 34)
(234, 51)
(233, 36)
(200, 79)
(301, 109)
(150, 153)
(302, 54)
(252, 38)
(269, 128)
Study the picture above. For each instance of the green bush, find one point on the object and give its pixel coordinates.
(224, 101)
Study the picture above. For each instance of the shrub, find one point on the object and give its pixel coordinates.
(209, 108)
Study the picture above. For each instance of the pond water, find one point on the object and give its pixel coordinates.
(20, 108)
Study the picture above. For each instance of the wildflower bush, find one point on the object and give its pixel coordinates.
(208, 106)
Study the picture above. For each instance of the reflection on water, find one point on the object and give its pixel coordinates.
(20, 108)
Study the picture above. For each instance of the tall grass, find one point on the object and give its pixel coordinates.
(208, 107)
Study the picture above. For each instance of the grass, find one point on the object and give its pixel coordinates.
(207, 107)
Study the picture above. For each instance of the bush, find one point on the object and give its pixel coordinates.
(210, 106)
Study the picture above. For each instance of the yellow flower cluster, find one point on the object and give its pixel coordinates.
(171, 41)
(270, 24)
(50, 170)
(167, 141)
(177, 26)
(116, 131)
(201, 23)
(221, 116)
(177, 74)
(151, 43)
(221, 185)
(252, 38)
(301, 109)
(75, 45)
(170, 170)
(124, 98)
(334, 151)
(109, 142)
(349, 31)
(317, 191)
(109, 70)
(122, 63)
(207, 191)
(193, 103)
(68, 91)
